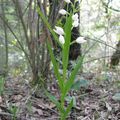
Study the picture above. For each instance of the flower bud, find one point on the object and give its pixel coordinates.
(63, 12)
(75, 20)
(61, 39)
(59, 30)
(80, 40)
(67, 1)
(75, 24)
(75, 17)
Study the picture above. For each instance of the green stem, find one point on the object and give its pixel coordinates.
(62, 116)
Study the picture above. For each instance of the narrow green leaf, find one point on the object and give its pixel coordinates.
(70, 81)
(68, 108)
(55, 67)
(50, 49)
(69, 98)
(48, 26)
(55, 101)
(68, 27)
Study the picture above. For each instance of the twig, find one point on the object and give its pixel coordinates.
(111, 8)
(7, 114)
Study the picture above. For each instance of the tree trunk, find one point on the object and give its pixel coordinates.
(75, 49)
(6, 38)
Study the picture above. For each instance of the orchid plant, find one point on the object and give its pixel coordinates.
(63, 38)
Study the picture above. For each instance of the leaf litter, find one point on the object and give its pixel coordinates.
(95, 99)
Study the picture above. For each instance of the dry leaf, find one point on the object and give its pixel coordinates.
(52, 105)
(17, 97)
(38, 111)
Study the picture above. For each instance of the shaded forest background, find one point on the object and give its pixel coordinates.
(23, 34)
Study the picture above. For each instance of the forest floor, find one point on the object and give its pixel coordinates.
(97, 101)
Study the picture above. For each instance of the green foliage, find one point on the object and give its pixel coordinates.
(14, 42)
(65, 51)
(14, 110)
(69, 98)
(48, 25)
(116, 97)
(56, 102)
(80, 83)
(65, 83)
(29, 106)
(2, 82)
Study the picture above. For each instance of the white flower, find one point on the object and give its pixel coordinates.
(59, 30)
(75, 20)
(61, 39)
(67, 1)
(75, 17)
(80, 40)
(75, 23)
(63, 12)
